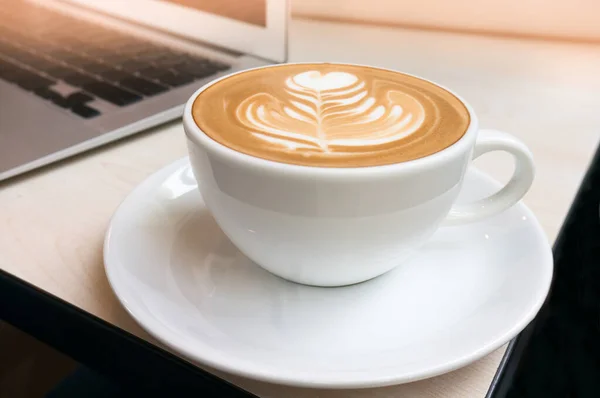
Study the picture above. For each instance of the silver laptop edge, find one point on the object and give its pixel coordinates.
(77, 135)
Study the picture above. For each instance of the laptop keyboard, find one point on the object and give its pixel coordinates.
(41, 49)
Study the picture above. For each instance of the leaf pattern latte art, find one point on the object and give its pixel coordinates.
(332, 112)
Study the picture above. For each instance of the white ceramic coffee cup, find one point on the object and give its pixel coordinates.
(339, 226)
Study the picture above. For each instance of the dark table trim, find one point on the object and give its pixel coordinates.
(504, 380)
(114, 353)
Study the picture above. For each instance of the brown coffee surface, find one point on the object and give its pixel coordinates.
(330, 115)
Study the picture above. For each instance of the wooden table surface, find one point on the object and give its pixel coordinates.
(53, 221)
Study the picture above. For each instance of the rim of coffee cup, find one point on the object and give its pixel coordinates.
(195, 134)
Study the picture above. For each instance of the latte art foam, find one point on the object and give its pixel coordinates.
(330, 115)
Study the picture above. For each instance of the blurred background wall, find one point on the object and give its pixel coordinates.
(564, 19)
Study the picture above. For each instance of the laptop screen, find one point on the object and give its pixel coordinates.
(250, 27)
(250, 11)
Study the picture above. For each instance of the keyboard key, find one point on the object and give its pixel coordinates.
(59, 71)
(40, 47)
(142, 86)
(115, 75)
(149, 55)
(78, 98)
(110, 93)
(84, 111)
(156, 51)
(32, 81)
(8, 71)
(139, 51)
(60, 54)
(8, 48)
(53, 96)
(79, 79)
(153, 72)
(95, 67)
(73, 59)
(38, 63)
(191, 58)
(132, 65)
(108, 56)
(168, 61)
(84, 46)
(175, 79)
(34, 61)
(24, 78)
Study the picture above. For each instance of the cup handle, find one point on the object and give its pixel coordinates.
(511, 193)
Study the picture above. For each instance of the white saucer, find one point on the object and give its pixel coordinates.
(470, 290)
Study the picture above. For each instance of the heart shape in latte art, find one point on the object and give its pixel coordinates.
(335, 112)
(314, 80)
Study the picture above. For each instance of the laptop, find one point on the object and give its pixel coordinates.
(77, 74)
